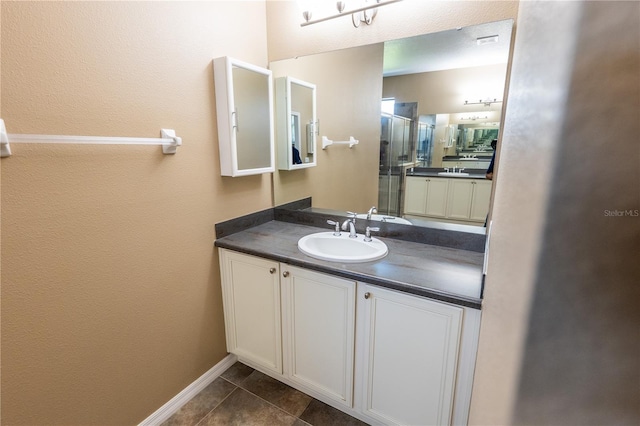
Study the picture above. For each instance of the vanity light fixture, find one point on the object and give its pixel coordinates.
(359, 14)
(485, 102)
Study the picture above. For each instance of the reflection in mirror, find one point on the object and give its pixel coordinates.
(251, 90)
(395, 150)
(436, 85)
(295, 137)
(296, 123)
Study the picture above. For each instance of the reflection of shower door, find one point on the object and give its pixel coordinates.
(425, 145)
(394, 151)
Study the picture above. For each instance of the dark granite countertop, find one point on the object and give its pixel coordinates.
(442, 273)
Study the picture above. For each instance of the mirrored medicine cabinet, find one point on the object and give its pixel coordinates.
(296, 123)
(244, 103)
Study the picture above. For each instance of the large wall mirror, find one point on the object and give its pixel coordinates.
(432, 102)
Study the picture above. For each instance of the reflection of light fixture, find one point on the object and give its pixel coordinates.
(358, 14)
(474, 117)
(485, 102)
(487, 40)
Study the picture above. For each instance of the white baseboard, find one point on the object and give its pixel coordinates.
(171, 407)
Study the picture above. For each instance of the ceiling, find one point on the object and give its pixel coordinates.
(450, 49)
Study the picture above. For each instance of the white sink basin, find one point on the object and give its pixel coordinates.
(453, 174)
(326, 246)
(385, 218)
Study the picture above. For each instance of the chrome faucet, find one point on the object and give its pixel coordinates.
(371, 211)
(351, 224)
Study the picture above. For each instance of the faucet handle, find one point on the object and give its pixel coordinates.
(336, 231)
(352, 215)
(367, 232)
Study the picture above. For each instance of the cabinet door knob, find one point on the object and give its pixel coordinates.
(367, 295)
(272, 270)
(285, 274)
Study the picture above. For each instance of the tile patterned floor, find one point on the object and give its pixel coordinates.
(244, 396)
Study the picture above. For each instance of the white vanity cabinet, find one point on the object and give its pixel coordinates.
(465, 200)
(252, 313)
(318, 332)
(244, 110)
(460, 193)
(383, 356)
(480, 200)
(410, 355)
(291, 321)
(469, 199)
(426, 196)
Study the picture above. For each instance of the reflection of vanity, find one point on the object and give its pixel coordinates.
(479, 162)
(389, 333)
(349, 82)
(460, 199)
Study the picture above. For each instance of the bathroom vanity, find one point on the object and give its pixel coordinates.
(460, 198)
(391, 341)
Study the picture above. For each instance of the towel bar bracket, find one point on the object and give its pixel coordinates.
(327, 142)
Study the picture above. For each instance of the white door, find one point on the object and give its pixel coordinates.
(437, 197)
(415, 198)
(480, 201)
(410, 357)
(318, 332)
(251, 297)
(460, 191)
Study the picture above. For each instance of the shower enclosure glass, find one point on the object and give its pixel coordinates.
(395, 153)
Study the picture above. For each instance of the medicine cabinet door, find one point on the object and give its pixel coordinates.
(296, 127)
(244, 99)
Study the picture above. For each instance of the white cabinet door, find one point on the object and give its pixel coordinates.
(318, 332)
(410, 358)
(460, 191)
(436, 205)
(480, 200)
(415, 199)
(251, 297)
(426, 196)
(244, 111)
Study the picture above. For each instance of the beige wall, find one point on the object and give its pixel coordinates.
(110, 285)
(349, 85)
